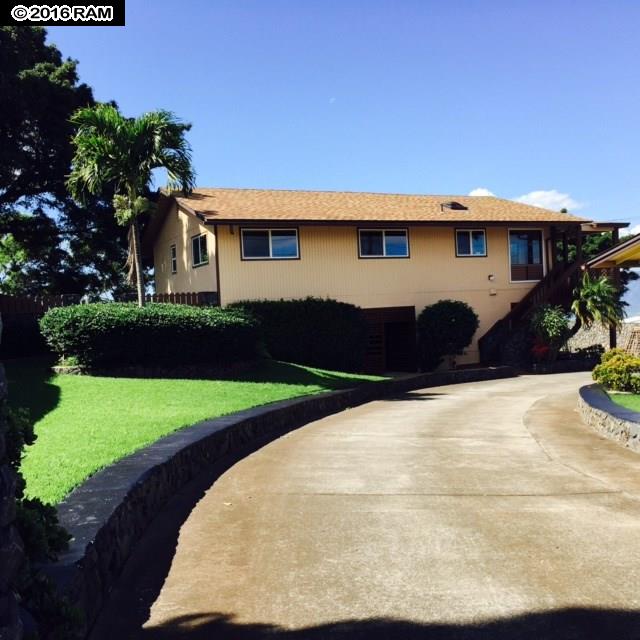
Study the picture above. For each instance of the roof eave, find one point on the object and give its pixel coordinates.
(397, 223)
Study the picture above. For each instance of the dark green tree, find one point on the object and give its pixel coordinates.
(47, 243)
(38, 93)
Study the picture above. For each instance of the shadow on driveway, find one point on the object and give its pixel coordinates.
(562, 624)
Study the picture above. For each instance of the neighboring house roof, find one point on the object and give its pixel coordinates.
(627, 253)
(268, 205)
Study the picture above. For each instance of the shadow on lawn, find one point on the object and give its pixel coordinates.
(264, 371)
(30, 386)
(287, 373)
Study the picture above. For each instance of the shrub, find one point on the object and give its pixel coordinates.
(445, 328)
(550, 324)
(618, 371)
(592, 352)
(312, 331)
(157, 334)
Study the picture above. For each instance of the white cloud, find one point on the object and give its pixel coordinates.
(551, 199)
(631, 231)
(481, 191)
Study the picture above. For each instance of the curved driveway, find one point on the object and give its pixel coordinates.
(480, 510)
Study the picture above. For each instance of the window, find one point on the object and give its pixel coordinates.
(270, 244)
(383, 243)
(471, 243)
(525, 253)
(199, 253)
(174, 258)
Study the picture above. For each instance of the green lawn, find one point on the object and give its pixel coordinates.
(627, 400)
(85, 423)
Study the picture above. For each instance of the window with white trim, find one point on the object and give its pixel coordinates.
(471, 243)
(270, 244)
(199, 254)
(383, 243)
(173, 253)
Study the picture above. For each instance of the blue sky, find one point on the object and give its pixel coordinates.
(395, 96)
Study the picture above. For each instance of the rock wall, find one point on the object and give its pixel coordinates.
(108, 514)
(609, 419)
(600, 335)
(11, 550)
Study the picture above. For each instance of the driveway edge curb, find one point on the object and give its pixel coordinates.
(110, 511)
(608, 418)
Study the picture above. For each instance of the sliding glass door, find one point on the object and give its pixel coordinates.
(525, 249)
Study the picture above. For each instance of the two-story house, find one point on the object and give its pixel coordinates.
(390, 254)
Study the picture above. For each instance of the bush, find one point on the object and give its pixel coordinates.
(592, 352)
(445, 328)
(618, 371)
(157, 334)
(550, 324)
(312, 331)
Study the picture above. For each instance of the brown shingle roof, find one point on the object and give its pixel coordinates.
(247, 205)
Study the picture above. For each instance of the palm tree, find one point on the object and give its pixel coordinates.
(120, 153)
(596, 300)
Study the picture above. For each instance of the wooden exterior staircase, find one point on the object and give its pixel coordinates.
(555, 288)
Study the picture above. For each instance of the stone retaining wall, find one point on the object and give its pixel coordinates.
(597, 334)
(108, 514)
(609, 419)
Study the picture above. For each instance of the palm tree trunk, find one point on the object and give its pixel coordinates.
(137, 261)
(576, 327)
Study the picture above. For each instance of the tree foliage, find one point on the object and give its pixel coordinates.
(48, 244)
(38, 93)
(592, 245)
(596, 301)
(114, 151)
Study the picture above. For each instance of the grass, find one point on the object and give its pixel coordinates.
(627, 400)
(85, 423)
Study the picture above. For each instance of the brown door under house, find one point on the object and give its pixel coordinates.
(391, 339)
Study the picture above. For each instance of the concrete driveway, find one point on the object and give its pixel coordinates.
(483, 510)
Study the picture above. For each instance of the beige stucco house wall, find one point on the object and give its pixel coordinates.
(329, 266)
(178, 229)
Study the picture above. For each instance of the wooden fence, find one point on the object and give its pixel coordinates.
(37, 305)
(34, 306)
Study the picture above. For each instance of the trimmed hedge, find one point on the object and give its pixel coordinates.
(316, 332)
(445, 329)
(158, 334)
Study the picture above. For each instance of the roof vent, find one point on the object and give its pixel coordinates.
(455, 206)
